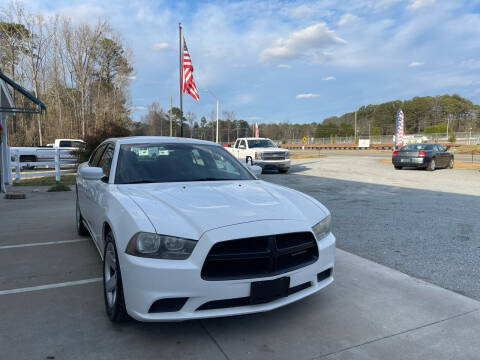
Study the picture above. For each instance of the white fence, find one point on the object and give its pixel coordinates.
(461, 138)
(56, 163)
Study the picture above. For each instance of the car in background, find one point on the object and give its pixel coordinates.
(187, 231)
(424, 156)
(262, 152)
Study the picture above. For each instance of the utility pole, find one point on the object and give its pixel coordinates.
(180, 48)
(355, 125)
(216, 98)
(170, 116)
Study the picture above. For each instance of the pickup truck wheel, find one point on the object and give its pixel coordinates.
(282, 171)
(81, 229)
(112, 282)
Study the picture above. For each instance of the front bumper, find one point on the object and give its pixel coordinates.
(148, 280)
(273, 164)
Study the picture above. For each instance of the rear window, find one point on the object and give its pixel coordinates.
(416, 147)
(70, 143)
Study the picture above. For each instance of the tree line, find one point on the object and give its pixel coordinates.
(80, 71)
(428, 114)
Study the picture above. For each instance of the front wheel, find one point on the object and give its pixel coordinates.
(450, 164)
(112, 283)
(397, 167)
(431, 166)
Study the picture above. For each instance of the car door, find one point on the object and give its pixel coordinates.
(242, 150)
(84, 186)
(99, 189)
(441, 155)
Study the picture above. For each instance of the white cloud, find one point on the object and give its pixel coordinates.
(138, 108)
(132, 78)
(347, 19)
(328, 78)
(311, 40)
(418, 4)
(161, 46)
(416, 63)
(284, 66)
(307, 96)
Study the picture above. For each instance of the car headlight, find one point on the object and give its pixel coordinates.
(287, 155)
(160, 246)
(322, 228)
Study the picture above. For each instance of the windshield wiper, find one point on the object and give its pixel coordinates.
(143, 181)
(209, 179)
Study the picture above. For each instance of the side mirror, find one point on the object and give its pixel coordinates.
(255, 169)
(92, 173)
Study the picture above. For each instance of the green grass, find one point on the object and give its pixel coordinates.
(59, 187)
(67, 179)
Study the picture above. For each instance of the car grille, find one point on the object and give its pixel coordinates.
(273, 156)
(259, 256)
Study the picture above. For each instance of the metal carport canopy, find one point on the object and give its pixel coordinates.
(7, 106)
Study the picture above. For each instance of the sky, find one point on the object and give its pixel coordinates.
(296, 61)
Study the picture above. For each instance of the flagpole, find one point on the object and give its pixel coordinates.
(180, 48)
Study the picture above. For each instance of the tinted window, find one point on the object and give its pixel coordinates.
(414, 147)
(96, 155)
(106, 160)
(172, 162)
(70, 143)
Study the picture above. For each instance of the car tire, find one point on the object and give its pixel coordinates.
(81, 229)
(431, 165)
(451, 163)
(397, 167)
(112, 282)
(282, 171)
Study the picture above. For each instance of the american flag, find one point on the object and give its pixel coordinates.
(257, 131)
(188, 84)
(399, 129)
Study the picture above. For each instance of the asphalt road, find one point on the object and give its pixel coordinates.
(425, 224)
(384, 154)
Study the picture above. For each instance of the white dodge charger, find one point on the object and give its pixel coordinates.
(186, 231)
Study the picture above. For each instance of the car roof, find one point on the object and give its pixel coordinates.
(157, 139)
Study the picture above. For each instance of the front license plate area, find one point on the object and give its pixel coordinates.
(262, 292)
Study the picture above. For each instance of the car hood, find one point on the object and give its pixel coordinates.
(190, 209)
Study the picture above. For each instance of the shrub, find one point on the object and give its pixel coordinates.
(59, 187)
(452, 138)
(111, 130)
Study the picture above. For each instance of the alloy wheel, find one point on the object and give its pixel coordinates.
(110, 274)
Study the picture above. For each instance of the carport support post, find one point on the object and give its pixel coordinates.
(57, 164)
(4, 177)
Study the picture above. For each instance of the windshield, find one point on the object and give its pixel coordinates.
(261, 143)
(147, 163)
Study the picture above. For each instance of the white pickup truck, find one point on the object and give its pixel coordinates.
(34, 154)
(262, 152)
